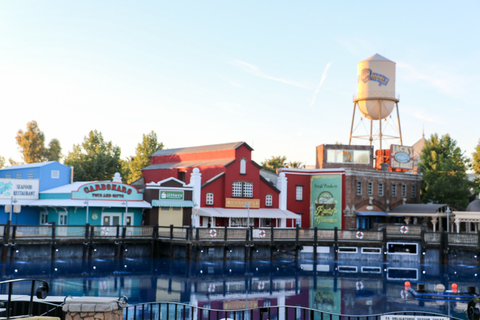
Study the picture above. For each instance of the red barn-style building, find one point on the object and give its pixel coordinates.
(228, 189)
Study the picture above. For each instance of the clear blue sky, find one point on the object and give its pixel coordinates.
(279, 75)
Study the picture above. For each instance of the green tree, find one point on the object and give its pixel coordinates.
(443, 167)
(31, 144)
(54, 151)
(296, 165)
(476, 167)
(274, 163)
(144, 150)
(94, 159)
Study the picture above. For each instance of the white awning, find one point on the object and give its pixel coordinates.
(243, 213)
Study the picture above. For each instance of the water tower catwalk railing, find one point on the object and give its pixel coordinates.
(380, 136)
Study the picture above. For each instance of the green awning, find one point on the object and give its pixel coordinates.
(172, 203)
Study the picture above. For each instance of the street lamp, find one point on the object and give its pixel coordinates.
(248, 213)
(86, 202)
(448, 218)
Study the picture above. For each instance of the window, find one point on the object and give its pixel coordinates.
(404, 190)
(43, 218)
(9, 175)
(209, 198)
(30, 175)
(394, 190)
(359, 188)
(370, 188)
(176, 208)
(348, 156)
(55, 174)
(268, 200)
(380, 189)
(19, 175)
(299, 193)
(414, 191)
(243, 166)
(242, 189)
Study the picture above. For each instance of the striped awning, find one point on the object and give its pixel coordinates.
(172, 203)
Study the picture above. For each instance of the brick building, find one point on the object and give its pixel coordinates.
(361, 196)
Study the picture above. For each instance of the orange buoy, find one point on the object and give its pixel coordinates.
(454, 287)
(407, 284)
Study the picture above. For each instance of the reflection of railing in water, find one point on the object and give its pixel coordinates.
(172, 310)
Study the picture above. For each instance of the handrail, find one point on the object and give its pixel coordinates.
(41, 293)
(176, 310)
(13, 233)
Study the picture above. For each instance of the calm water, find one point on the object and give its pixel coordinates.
(343, 287)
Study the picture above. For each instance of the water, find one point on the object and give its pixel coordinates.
(341, 287)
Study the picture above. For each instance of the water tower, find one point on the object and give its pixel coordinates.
(376, 100)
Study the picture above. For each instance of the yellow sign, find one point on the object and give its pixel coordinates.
(240, 305)
(242, 203)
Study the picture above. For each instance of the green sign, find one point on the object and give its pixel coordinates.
(326, 197)
(171, 195)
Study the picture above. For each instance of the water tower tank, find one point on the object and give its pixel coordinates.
(375, 86)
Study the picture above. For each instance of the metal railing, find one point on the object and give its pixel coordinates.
(21, 308)
(172, 310)
(55, 232)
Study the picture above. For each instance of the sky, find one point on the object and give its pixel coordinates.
(279, 75)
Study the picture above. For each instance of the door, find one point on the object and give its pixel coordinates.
(109, 223)
(62, 221)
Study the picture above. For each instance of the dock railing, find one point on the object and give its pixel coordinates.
(12, 233)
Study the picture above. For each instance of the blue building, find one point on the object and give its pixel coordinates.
(41, 193)
(50, 174)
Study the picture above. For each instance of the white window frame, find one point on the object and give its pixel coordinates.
(9, 176)
(30, 174)
(248, 190)
(359, 188)
(380, 189)
(268, 200)
(243, 166)
(209, 199)
(55, 174)
(299, 193)
(237, 188)
(414, 191)
(394, 189)
(404, 190)
(19, 175)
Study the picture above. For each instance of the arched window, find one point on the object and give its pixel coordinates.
(243, 166)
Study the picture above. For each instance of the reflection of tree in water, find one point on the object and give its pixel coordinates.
(324, 300)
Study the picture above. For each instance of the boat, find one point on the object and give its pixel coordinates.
(440, 294)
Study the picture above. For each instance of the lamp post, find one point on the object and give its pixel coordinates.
(248, 213)
(448, 218)
(86, 202)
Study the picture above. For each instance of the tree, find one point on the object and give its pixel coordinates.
(296, 165)
(144, 150)
(443, 168)
(275, 163)
(476, 167)
(32, 145)
(2, 162)
(54, 151)
(94, 159)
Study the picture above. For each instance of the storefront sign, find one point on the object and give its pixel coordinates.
(242, 203)
(106, 190)
(401, 157)
(326, 198)
(171, 195)
(19, 189)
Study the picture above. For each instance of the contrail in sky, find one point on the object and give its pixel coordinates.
(324, 76)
